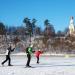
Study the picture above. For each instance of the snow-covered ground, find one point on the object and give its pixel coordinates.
(49, 65)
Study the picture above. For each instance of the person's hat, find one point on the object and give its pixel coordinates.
(39, 50)
(31, 45)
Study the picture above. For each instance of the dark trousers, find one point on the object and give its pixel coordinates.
(7, 59)
(28, 59)
(37, 59)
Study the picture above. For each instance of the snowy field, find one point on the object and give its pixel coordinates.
(49, 65)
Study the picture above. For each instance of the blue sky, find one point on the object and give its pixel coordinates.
(12, 12)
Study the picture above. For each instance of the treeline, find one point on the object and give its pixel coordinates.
(51, 41)
(30, 28)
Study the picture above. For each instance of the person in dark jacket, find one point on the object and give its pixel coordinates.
(29, 52)
(8, 52)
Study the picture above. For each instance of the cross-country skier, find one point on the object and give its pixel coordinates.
(37, 54)
(29, 51)
(8, 52)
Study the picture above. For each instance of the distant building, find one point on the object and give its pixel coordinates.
(71, 26)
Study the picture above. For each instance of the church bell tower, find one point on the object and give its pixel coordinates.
(71, 25)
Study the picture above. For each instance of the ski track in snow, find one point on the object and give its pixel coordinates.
(48, 66)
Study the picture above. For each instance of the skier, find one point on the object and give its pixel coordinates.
(29, 51)
(8, 52)
(37, 54)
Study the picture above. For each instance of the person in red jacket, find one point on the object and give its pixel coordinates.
(37, 54)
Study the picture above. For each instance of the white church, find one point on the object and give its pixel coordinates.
(71, 26)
